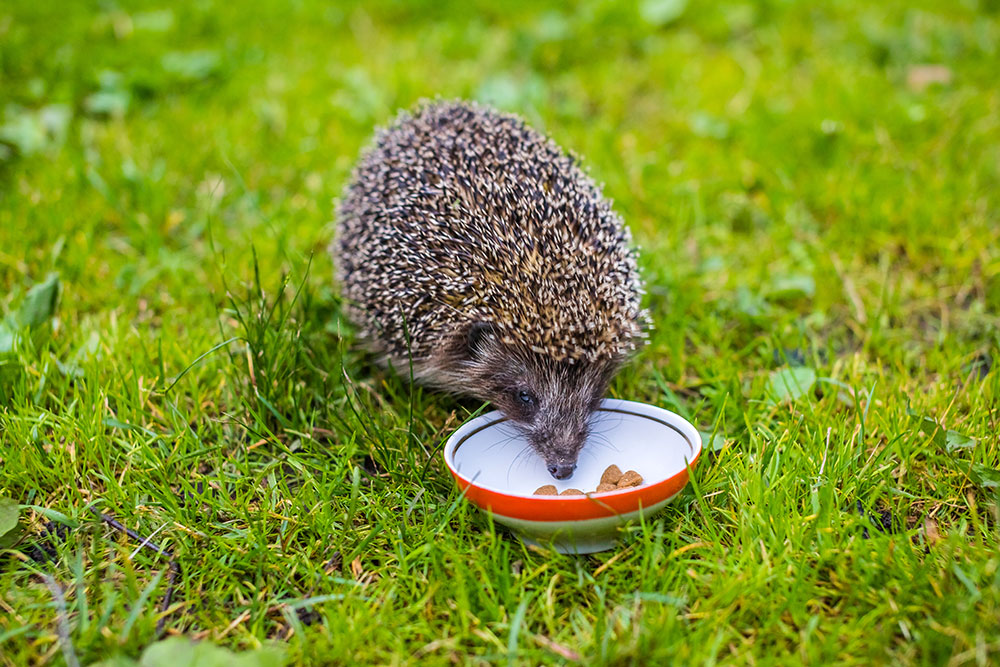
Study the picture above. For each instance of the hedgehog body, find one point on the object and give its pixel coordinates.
(475, 251)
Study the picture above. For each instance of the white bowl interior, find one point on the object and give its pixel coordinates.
(492, 453)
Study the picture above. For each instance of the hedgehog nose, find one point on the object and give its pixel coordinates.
(562, 470)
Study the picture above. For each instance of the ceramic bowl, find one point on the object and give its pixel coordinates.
(498, 471)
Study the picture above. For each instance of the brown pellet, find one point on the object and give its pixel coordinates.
(547, 490)
(606, 486)
(611, 475)
(572, 492)
(630, 478)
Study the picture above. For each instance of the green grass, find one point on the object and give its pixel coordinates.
(799, 198)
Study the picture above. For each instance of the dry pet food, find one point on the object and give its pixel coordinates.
(630, 478)
(612, 480)
(611, 475)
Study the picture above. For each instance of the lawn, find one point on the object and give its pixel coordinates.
(815, 189)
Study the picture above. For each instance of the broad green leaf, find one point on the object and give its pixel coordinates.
(955, 440)
(117, 661)
(792, 286)
(8, 338)
(929, 427)
(706, 125)
(182, 652)
(9, 511)
(511, 92)
(39, 303)
(788, 384)
(33, 131)
(108, 103)
(9, 539)
(662, 12)
(985, 477)
(24, 130)
(712, 443)
(161, 20)
(55, 118)
(553, 26)
(191, 65)
(178, 651)
(950, 440)
(751, 303)
(113, 97)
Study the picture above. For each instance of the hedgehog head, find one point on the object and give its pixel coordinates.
(549, 400)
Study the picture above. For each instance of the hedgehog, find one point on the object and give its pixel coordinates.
(476, 255)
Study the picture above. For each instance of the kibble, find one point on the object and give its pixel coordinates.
(611, 480)
(629, 478)
(611, 475)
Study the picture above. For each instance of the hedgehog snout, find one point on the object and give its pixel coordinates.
(562, 470)
(559, 449)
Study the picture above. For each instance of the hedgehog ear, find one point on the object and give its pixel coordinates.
(479, 334)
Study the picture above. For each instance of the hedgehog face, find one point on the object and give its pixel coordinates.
(551, 401)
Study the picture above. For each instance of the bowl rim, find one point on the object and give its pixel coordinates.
(591, 505)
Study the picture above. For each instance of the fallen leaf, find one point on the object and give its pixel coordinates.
(356, 569)
(931, 530)
(920, 77)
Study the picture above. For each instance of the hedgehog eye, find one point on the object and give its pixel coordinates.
(526, 398)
